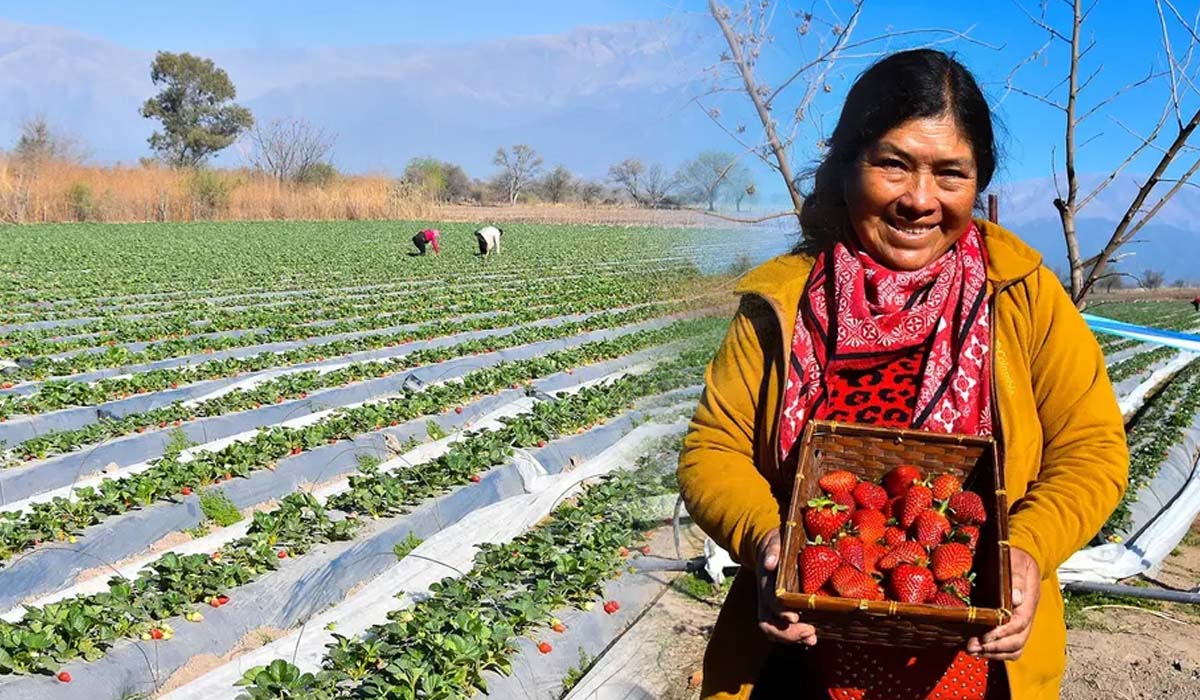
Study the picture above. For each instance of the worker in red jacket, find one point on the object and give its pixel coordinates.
(427, 237)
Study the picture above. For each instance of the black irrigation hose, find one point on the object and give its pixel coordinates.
(1190, 597)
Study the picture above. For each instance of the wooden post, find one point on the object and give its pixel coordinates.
(993, 209)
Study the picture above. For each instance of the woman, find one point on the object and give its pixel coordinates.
(488, 238)
(899, 309)
(429, 237)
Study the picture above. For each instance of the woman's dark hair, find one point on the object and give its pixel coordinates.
(903, 86)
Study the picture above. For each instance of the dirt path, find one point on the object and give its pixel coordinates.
(1114, 653)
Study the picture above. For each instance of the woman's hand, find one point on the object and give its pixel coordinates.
(1006, 642)
(778, 624)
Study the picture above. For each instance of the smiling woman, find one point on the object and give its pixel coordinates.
(898, 309)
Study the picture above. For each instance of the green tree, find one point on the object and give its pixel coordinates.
(444, 182)
(195, 106)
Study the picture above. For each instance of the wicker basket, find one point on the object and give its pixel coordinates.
(870, 452)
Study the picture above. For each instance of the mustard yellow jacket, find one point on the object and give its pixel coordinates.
(1060, 432)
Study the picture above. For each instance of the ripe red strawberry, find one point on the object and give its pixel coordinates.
(967, 534)
(611, 607)
(869, 495)
(156, 634)
(869, 524)
(186, 490)
(931, 527)
(64, 676)
(844, 499)
(823, 518)
(458, 409)
(545, 647)
(892, 508)
(645, 550)
(851, 549)
(960, 587)
(951, 560)
(944, 486)
(899, 479)
(817, 564)
(282, 554)
(912, 584)
(903, 553)
(849, 582)
(541, 443)
(966, 508)
(917, 500)
(839, 481)
(475, 478)
(942, 599)
(222, 599)
(872, 553)
(893, 536)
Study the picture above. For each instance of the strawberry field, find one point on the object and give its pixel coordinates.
(281, 460)
(219, 435)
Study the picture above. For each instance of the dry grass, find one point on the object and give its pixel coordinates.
(52, 191)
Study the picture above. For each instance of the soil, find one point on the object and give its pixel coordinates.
(202, 664)
(1113, 652)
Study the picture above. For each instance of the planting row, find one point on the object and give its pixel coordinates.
(86, 626)
(61, 518)
(291, 386)
(442, 645)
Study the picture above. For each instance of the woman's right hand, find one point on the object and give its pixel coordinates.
(779, 624)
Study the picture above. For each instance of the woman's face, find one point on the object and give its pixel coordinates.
(911, 193)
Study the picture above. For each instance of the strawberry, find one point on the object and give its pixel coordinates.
(872, 553)
(851, 550)
(960, 587)
(899, 479)
(917, 500)
(844, 499)
(931, 527)
(944, 486)
(186, 490)
(966, 508)
(849, 582)
(458, 409)
(893, 536)
(475, 478)
(967, 534)
(156, 634)
(545, 647)
(64, 676)
(282, 554)
(623, 551)
(839, 481)
(912, 584)
(891, 508)
(950, 561)
(823, 518)
(817, 564)
(222, 599)
(869, 495)
(942, 599)
(645, 550)
(541, 443)
(904, 553)
(559, 627)
(869, 524)
(611, 607)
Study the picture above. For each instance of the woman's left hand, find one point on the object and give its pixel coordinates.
(1006, 642)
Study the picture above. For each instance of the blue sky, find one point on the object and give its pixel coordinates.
(1127, 34)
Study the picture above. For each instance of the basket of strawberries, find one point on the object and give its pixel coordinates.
(896, 537)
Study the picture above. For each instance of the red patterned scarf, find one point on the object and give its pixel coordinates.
(864, 313)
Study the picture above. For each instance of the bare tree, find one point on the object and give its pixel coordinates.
(558, 185)
(591, 192)
(657, 186)
(289, 149)
(1152, 279)
(518, 169)
(705, 178)
(1168, 137)
(40, 142)
(789, 113)
(628, 174)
